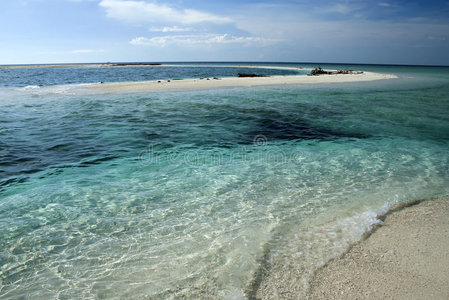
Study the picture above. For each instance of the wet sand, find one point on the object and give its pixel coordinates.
(407, 258)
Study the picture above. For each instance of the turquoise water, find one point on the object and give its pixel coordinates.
(206, 194)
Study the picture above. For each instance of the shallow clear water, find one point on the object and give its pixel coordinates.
(207, 194)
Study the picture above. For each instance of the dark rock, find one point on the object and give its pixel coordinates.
(319, 71)
(249, 75)
(349, 72)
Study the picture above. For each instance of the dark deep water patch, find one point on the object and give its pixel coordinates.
(96, 132)
(278, 130)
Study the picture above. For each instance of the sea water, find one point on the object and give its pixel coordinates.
(207, 194)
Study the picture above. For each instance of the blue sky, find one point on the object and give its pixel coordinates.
(347, 31)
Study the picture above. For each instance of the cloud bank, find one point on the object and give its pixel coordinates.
(170, 29)
(195, 40)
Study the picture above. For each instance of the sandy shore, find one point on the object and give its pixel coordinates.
(210, 83)
(408, 258)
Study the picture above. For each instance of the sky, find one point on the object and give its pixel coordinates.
(338, 31)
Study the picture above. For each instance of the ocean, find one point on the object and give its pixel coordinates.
(204, 194)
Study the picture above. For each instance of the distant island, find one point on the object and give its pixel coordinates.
(93, 65)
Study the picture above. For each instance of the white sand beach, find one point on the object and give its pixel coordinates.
(407, 258)
(210, 83)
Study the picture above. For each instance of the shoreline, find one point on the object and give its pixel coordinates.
(405, 258)
(211, 83)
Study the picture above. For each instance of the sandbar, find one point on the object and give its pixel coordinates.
(407, 258)
(211, 83)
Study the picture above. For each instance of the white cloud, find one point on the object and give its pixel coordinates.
(170, 29)
(147, 12)
(340, 8)
(436, 38)
(193, 40)
(385, 4)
